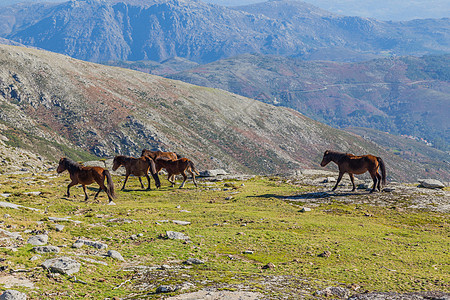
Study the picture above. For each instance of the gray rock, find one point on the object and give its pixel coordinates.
(431, 184)
(248, 252)
(173, 235)
(334, 291)
(38, 240)
(193, 261)
(213, 173)
(35, 257)
(181, 222)
(164, 289)
(305, 209)
(116, 255)
(11, 235)
(330, 180)
(59, 227)
(13, 295)
(97, 245)
(77, 245)
(325, 254)
(46, 249)
(63, 265)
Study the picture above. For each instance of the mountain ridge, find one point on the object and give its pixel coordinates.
(158, 30)
(75, 105)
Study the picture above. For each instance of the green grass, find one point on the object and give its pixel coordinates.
(376, 248)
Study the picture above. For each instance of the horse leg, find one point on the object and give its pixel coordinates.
(85, 193)
(125, 182)
(140, 180)
(379, 181)
(184, 179)
(193, 178)
(148, 179)
(172, 182)
(68, 188)
(352, 178)
(374, 178)
(338, 180)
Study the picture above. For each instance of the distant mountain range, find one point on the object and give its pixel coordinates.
(54, 105)
(98, 31)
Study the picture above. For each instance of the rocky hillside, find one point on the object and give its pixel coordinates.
(99, 30)
(405, 95)
(76, 108)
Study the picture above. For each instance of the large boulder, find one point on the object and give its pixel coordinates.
(63, 265)
(431, 184)
(13, 295)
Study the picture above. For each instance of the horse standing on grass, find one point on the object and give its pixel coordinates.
(352, 164)
(137, 167)
(85, 176)
(175, 167)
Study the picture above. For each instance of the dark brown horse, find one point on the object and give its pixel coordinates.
(175, 167)
(352, 164)
(85, 176)
(137, 167)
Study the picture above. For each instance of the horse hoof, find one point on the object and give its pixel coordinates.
(111, 203)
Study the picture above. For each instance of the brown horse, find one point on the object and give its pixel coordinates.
(175, 167)
(137, 167)
(85, 176)
(352, 164)
(156, 154)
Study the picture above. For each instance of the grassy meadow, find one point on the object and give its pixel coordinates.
(237, 227)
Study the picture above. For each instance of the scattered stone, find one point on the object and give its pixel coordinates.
(123, 221)
(173, 235)
(268, 266)
(330, 180)
(11, 235)
(184, 211)
(140, 235)
(164, 289)
(77, 245)
(193, 261)
(59, 227)
(35, 257)
(431, 184)
(325, 254)
(13, 295)
(181, 222)
(305, 209)
(115, 254)
(248, 252)
(33, 193)
(213, 173)
(97, 245)
(10, 281)
(133, 237)
(38, 240)
(46, 249)
(63, 265)
(7, 216)
(14, 206)
(229, 198)
(334, 291)
(389, 189)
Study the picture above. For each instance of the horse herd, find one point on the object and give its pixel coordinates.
(155, 161)
(150, 161)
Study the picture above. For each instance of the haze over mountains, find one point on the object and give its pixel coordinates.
(97, 30)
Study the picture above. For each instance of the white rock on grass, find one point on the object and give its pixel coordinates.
(193, 261)
(431, 184)
(173, 235)
(38, 240)
(116, 255)
(46, 249)
(97, 245)
(13, 295)
(63, 265)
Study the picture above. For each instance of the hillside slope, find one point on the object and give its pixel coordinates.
(405, 95)
(99, 30)
(76, 106)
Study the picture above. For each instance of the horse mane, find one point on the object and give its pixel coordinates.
(71, 165)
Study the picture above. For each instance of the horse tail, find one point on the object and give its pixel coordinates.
(153, 171)
(192, 167)
(383, 170)
(110, 182)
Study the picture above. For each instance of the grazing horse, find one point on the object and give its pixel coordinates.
(137, 167)
(175, 167)
(352, 164)
(86, 175)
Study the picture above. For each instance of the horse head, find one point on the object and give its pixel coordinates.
(61, 166)
(326, 158)
(117, 162)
